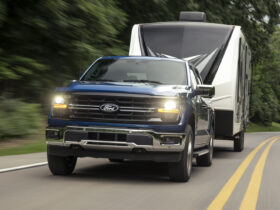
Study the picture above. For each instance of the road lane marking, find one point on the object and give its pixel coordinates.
(23, 167)
(222, 197)
(251, 196)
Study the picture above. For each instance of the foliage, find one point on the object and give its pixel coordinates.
(139, 11)
(258, 20)
(265, 105)
(256, 17)
(38, 145)
(45, 42)
(253, 127)
(18, 118)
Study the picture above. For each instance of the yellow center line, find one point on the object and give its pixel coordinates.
(222, 197)
(251, 196)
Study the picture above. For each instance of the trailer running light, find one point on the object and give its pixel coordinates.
(60, 106)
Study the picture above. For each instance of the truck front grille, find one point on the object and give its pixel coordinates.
(132, 109)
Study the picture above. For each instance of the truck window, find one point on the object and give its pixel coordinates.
(138, 70)
(194, 79)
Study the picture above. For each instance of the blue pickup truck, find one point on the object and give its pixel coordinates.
(133, 108)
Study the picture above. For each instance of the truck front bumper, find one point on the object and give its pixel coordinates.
(118, 143)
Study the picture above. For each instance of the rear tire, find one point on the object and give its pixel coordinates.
(181, 171)
(206, 160)
(238, 144)
(115, 160)
(61, 165)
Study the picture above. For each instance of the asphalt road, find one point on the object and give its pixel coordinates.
(99, 184)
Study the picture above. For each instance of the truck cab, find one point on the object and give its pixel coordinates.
(133, 108)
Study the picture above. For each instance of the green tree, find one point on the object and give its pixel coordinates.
(257, 19)
(45, 42)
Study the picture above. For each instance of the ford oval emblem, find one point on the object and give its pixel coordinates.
(109, 107)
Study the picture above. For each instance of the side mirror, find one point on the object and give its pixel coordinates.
(207, 91)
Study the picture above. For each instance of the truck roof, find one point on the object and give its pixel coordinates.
(143, 58)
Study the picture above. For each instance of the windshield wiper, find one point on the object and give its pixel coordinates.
(142, 80)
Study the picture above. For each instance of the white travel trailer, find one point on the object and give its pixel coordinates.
(221, 55)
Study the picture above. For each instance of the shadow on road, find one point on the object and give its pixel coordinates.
(126, 171)
(223, 152)
(138, 171)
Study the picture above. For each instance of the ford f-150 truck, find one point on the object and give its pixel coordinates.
(133, 108)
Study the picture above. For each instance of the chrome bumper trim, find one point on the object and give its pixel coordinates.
(158, 145)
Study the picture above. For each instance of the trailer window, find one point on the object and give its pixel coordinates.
(188, 39)
(184, 40)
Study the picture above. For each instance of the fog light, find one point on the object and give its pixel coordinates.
(52, 134)
(171, 140)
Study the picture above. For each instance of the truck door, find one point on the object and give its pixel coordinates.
(205, 111)
(201, 114)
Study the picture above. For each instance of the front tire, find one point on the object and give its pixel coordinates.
(181, 171)
(61, 165)
(238, 144)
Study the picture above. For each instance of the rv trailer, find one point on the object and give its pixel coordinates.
(218, 52)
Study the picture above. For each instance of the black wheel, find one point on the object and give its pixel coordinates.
(181, 171)
(206, 160)
(115, 160)
(61, 165)
(238, 144)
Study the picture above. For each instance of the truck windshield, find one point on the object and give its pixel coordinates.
(138, 70)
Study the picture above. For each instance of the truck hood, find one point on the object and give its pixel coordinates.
(119, 87)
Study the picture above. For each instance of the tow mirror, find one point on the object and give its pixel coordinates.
(207, 91)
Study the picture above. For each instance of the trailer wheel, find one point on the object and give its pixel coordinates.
(238, 144)
(61, 165)
(181, 171)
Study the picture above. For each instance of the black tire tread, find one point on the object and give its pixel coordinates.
(238, 144)
(61, 165)
(177, 171)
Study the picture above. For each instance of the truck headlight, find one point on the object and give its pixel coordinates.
(170, 107)
(60, 107)
(59, 102)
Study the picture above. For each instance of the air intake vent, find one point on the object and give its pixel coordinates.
(193, 16)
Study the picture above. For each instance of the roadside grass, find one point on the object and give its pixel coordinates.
(25, 145)
(32, 146)
(37, 143)
(253, 127)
